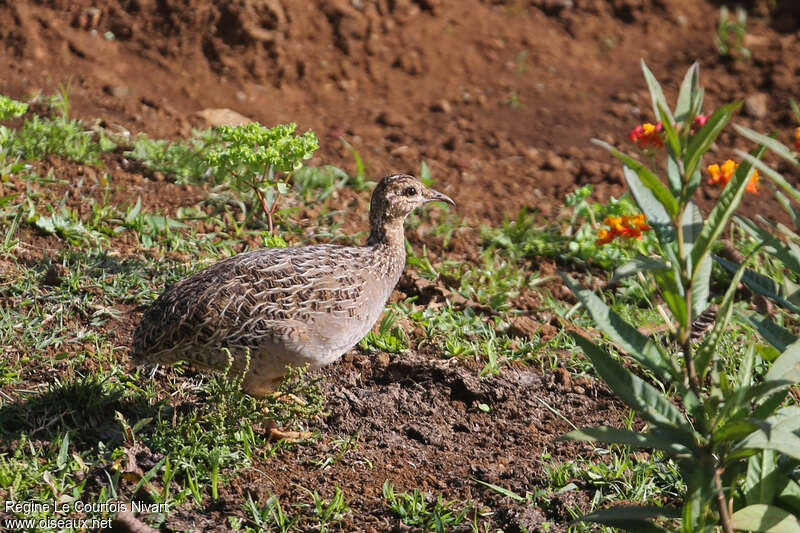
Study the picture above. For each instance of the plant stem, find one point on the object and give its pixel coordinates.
(722, 504)
(267, 210)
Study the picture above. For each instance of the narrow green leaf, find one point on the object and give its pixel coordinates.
(706, 350)
(772, 174)
(688, 94)
(733, 431)
(692, 224)
(702, 140)
(631, 518)
(628, 338)
(674, 178)
(636, 393)
(648, 178)
(774, 334)
(760, 284)
(657, 215)
(761, 483)
(699, 491)
(787, 254)
(788, 207)
(636, 265)
(656, 94)
(612, 435)
(670, 133)
(787, 366)
(772, 438)
(770, 142)
(765, 518)
(673, 294)
(502, 490)
(726, 204)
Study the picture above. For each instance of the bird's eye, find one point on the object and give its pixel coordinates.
(410, 191)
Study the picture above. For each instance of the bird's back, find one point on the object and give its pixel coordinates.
(286, 305)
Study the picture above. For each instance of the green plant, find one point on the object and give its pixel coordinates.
(415, 509)
(727, 45)
(10, 108)
(259, 159)
(722, 417)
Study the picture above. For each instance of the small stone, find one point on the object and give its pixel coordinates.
(442, 106)
(219, 117)
(392, 118)
(553, 162)
(755, 105)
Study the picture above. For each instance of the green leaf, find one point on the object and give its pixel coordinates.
(647, 177)
(674, 178)
(628, 338)
(635, 392)
(772, 438)
(502, 490)
(672, 292)
(733, 431)
(612, 435)
(656, 94)
(770, 142)
(670, 133)
(702, 140)
(787, 254)
(760, 284)
(774, 334)
(726, 204)
(692, 224)
(765, 518)
(787, 366)
(655, 212)
(699, 491)
(688, 95)
(631, 518)
(706, 350)
(760, 483)
(636, 265)
(772, 174)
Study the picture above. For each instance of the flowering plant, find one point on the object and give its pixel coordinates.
(713, 421)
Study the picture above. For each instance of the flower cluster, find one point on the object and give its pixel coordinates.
(624, 226)
(721, 175)
(797, 138)
(647, 135)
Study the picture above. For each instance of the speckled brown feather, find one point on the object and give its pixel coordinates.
(288, 306)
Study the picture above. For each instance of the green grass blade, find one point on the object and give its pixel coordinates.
(612, 435)
(635, 392)
(647, 177)
(705, 137)
(726, 204)
(628, 338)
(765, 518)
(656, 93)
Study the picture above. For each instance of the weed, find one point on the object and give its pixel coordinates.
(414, 508)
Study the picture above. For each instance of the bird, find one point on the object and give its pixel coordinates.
(267, 309)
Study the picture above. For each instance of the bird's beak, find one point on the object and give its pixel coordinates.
(436, 196)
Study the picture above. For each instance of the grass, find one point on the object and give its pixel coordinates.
(78, 422)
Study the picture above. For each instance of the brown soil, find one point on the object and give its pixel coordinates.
(500, 98)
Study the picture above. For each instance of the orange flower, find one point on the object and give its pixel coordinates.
(752, 185)
(647, 135)
(721, 175)
(797, 138)
(624, 226)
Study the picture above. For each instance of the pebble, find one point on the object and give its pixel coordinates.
(755, 105)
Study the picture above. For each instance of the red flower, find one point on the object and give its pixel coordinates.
(699, 122)
(647, 135)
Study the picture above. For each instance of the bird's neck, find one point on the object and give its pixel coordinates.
(389, 234)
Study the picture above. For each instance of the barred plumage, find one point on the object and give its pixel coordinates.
(288, 306)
